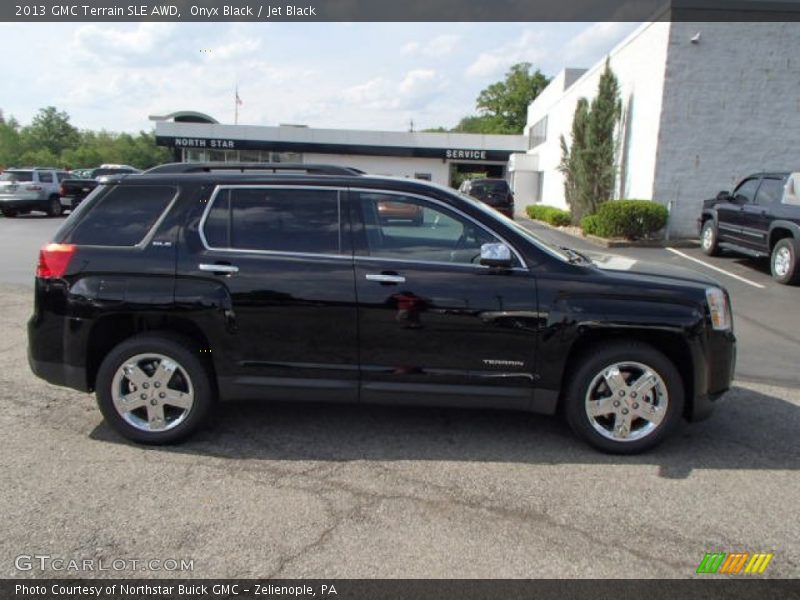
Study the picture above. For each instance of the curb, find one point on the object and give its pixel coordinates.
(620, 242)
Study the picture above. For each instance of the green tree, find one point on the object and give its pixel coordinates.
(589, 165)
(10, 142)
(508, 100)
(482, 124)
(571, 160)
(605, 111)
(50, 130)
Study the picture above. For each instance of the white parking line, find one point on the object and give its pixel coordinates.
(723, 271)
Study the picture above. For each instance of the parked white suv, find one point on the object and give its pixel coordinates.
(24, 190)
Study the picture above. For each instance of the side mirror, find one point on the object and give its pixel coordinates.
(724, 196)
(496, 255)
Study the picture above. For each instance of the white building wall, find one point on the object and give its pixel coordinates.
(731, 108)
(387, 165)
(639, 64)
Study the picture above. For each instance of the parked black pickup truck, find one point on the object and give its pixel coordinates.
(761, 219)
(73, 191)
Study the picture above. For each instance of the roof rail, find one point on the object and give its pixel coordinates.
(311, 169)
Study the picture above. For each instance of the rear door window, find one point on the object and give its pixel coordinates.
(122, 216)
(769, 192)
(275, 220)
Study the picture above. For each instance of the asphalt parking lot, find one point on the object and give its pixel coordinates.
(332, 491)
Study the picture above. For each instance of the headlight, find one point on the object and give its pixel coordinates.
(719, 309)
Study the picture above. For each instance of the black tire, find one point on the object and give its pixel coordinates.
(9, 213)
(54, 208)
(709, 238)
(189, 365)
(783, 262)
(592, 366)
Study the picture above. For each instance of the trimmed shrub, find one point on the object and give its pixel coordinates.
(549, 214)
(630, 219)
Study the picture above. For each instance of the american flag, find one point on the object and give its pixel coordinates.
(238, 100)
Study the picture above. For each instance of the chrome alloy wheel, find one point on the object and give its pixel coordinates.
(782, 262)
(626, 401)
(152, 392)
(708, 237)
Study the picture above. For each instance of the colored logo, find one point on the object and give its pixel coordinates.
(734, 563)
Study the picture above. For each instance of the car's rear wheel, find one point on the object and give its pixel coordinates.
(54, 207)
(9, 213)
(154, 389)
(624, 398)
(708, 238)
(783, 262)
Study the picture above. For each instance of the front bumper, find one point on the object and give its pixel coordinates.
(715, 365)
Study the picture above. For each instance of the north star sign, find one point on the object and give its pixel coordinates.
(204, 143)
(467, 154)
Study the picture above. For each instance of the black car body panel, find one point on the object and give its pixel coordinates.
(349, 326)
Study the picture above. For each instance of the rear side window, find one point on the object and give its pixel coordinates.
(45, 177)
(277, 220)
(122, 216)
(17, 176)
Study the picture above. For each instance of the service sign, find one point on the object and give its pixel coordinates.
(466, 154)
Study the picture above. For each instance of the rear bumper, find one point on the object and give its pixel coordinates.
(21, 202)
(59, 373)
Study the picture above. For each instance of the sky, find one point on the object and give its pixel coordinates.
(376, 76)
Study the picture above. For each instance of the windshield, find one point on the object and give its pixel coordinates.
(490, 186)
(17, 176)
(527, 234)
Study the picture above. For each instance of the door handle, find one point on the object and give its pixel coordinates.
(383, 278)
(226, 269)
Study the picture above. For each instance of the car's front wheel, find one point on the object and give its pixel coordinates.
(783, 262)
(624, 398)
(708, 238)
(154, 389)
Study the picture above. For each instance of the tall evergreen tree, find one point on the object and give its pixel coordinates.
(589, 165)
(605, 113)
(571, 165)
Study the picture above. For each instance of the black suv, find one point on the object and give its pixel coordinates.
(761, 219)
(494, 192)
(167, 291)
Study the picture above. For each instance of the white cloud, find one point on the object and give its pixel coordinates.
(437, 47)
(144, 44)
(527, 48)
(597, 40)
(414, 91)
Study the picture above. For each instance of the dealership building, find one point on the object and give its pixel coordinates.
(437, 157)
(704, 104)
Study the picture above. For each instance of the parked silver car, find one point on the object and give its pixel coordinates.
(36, 188)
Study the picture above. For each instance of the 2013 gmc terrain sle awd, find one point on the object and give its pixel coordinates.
(168, 291)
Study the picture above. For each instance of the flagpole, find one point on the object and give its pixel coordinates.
(236, 105)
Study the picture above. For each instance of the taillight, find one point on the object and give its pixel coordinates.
(54, 260)
(34, 188)
(61, 190)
